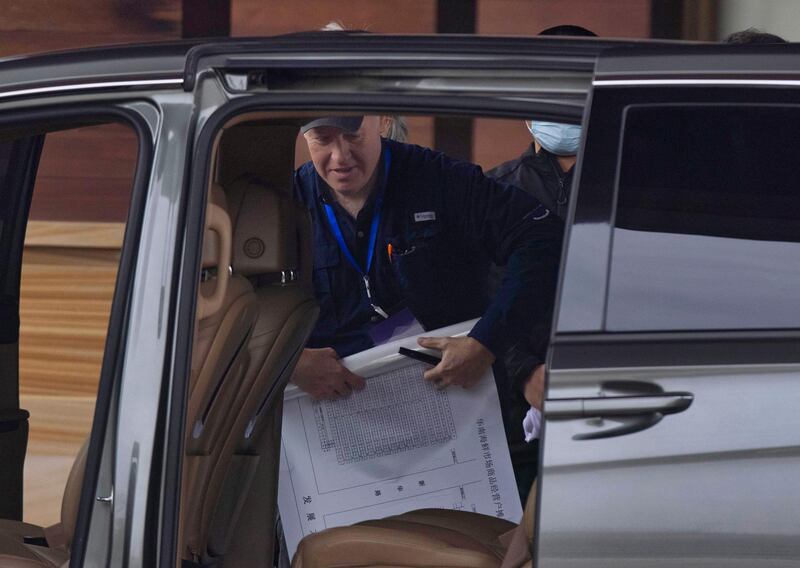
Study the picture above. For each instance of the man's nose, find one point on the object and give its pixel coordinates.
(341, 151)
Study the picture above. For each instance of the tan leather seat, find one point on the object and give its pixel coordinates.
(225, 321)
(269, 238)
(246, 345)
(247, 510)
(226, 314)
(421, 539)
(17, 548)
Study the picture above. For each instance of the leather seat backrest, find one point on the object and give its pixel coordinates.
(72, 494)
(529, 514)
(272, 240)
(225, 321)
(226, 316)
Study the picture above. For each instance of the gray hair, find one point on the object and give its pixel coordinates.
(398, 129)
(333, 26)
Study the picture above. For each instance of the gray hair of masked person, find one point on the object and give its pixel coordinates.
(397, 127)
(753, 36)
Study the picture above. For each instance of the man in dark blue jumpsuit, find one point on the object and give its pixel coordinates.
(397, 226)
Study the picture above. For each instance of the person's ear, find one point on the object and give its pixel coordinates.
(385, 125)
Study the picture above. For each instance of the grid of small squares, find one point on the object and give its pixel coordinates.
(396, 412)
(325, 441)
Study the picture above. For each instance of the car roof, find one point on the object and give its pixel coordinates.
(700, 61)
(136, 61)
(179, 59)
(177, 62)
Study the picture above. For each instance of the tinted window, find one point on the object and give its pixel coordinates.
(707, 232)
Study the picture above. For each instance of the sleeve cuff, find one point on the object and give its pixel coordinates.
(483, 333)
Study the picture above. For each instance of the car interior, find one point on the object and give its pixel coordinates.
(252, 323)
(255, 309)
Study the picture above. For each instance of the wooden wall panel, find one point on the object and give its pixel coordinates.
(59, 424)
(496, 141)
(65, 301)
(74, 235)
(33, 26)
(86, 174)
(271, 17)
(620, 18)
(64, 307)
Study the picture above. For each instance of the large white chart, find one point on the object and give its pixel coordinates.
(398, 445)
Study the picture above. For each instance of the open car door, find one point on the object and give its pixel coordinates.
(671, 411)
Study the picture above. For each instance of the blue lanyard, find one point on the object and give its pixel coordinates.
(373, 234)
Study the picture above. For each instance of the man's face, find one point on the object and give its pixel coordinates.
(346, 161)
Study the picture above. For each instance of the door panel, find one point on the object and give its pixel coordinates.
(692, 261)
(705, 487)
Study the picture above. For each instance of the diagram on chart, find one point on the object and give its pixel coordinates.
(399, 412)
(398, 445)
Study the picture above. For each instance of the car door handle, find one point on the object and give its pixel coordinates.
(608, 406)
(638, 412)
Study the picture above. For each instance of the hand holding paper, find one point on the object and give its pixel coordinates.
(464, 361)
(320, 373)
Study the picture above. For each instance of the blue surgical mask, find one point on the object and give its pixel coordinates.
(556, 138)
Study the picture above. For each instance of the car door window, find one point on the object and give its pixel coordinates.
(65, 199)
(69, 267)
(707, 230)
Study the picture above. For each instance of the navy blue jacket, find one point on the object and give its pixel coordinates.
(445, 221)
(539, 174)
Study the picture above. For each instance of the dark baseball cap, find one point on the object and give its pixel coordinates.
(349, 124)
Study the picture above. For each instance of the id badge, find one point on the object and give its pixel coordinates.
(398, 326)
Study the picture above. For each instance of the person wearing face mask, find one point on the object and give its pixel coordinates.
(545, 171)
(545, 167)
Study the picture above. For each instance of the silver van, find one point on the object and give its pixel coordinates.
(672, 435)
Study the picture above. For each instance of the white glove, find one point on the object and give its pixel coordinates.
(532, 424)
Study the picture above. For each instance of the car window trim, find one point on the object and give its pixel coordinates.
(668, 349)
(698, 82)
(358, 50)
(117, 326)
(101, 85)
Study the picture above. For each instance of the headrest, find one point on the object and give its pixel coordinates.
(211, 238)
(217, 242)
(266, 149)
(265, 238)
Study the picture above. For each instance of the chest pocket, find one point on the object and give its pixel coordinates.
(424, 232)
(420, 271)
